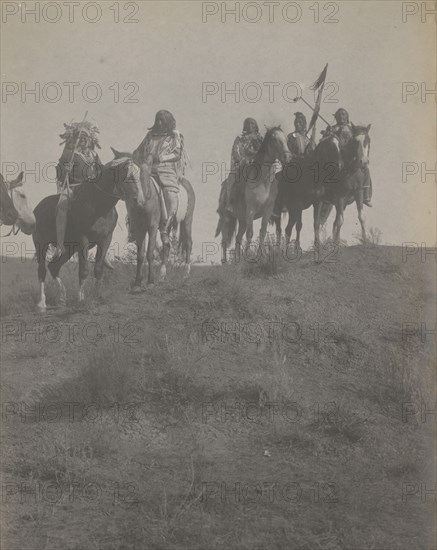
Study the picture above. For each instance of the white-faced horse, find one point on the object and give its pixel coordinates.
(14, 208)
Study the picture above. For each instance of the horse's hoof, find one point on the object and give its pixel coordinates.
(187, 271)
(136, 289)
(42, 308)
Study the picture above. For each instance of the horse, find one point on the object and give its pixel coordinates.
(91, 221)
(145, 217)
(327, 177)
(14, 208)
(257, 193)
(352, 179)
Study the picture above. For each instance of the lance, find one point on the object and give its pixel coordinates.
(311, 107)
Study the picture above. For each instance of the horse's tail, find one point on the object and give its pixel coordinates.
(227, 226)
(228, 229)
(219, 226)
(182, 245)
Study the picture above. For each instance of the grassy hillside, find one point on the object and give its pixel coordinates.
(264, 405)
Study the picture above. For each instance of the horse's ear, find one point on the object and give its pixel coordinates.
(353, 126)
(116, 153)
(17, 181)
(2, 179)
(368, 128)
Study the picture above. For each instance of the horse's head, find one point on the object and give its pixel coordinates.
(274, 146)
(14, 205)
(127, 177)
(328, 151)
(360, 145)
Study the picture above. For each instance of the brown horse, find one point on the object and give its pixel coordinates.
(257, 193)
(91, 222)
(145, 217)
(14, 209)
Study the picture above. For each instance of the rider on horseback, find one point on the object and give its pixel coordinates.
(298, 141)
(79, 163)
(344, 131)
(299, 145)
(163, 150)
(244, 150)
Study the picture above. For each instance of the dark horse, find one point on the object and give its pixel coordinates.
(91, 222)
(326, 177)
(145, 217)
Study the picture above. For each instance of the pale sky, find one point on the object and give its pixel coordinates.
(170, 52)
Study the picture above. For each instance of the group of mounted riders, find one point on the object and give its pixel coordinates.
(163, 149)
(300, 145)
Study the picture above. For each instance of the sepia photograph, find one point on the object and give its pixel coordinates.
(218, 275)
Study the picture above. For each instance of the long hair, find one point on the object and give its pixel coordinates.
(168, 120)
(246, 123)
(302, 118)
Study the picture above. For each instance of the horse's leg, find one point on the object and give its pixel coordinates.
(292, 218)
(278, 230)
(83, 267)
(317, 211)
(263, 229)
(239, 238)
(359, 201)
(151, 245)
(42, 272)
(187, 243)
(54, 267)
(298, 228)
(250, 215)
(102, 250)
(136, 287)
(164, 255)
(339, 218)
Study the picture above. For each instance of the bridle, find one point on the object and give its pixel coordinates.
(15, 228)
(366, 142)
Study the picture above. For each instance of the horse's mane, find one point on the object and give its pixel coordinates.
(358, 130)
(263, 148)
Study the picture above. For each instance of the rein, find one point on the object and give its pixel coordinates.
(15, 228)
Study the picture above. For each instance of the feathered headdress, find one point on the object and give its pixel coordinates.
(73, 130)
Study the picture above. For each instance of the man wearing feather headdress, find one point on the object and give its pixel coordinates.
(79, 164)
